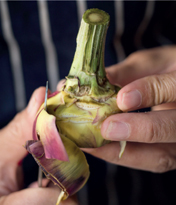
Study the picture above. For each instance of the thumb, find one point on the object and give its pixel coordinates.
(19, 130)
(148, 92)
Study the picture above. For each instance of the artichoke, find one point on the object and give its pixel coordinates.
(75, 113)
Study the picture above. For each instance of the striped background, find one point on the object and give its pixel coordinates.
(37, 43)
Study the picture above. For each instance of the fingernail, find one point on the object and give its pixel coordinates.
(117, 131)
(132, 99)
(112, 78)
(61, 84)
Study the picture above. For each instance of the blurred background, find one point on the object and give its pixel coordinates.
(37, 43)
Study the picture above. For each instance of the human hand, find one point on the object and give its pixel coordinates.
(149, 80)
(12, 139)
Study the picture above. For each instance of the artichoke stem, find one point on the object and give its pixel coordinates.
(87, 75)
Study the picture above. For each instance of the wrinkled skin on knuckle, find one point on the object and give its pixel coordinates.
(151, 132)
(169, 87)
(166, 163)
(168, 129)
(154, 88)
(162, 88)
(159, 130)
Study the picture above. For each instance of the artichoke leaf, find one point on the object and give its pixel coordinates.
(70, 175)
(48, 134)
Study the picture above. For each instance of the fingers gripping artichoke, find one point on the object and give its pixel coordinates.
(74, 115)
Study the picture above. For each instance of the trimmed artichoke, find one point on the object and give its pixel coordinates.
(74, 115)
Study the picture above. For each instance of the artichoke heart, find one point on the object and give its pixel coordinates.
(79, 120)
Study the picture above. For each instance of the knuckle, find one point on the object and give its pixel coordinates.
(165, 163)
(158, 130)
(150, 137)
(153, 132)
(162, 88)
(155, 86)
(135, 55)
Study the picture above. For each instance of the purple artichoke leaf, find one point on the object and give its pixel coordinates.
(49, 136)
